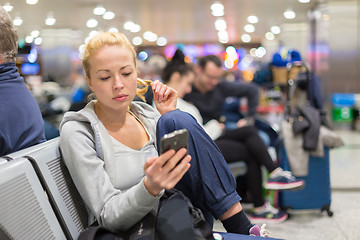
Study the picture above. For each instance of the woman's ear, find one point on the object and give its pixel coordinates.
(89, 83)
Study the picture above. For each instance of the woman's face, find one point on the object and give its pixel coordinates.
(113, 77)
(184, 86)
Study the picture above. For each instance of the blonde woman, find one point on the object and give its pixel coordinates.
(110, 146)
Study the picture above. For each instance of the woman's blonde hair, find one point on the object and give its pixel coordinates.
(102, 39)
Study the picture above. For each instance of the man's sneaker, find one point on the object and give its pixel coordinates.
(258, 231)
(268, 214)
(283, 180)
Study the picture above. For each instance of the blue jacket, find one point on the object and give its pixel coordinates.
(21, 123)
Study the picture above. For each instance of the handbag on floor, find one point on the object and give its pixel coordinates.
(176, 219)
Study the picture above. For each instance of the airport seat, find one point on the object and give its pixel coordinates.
(60, 188)
(25, 212)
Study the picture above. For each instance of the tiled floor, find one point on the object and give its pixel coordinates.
(345, 183)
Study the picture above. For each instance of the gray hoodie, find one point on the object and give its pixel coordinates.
(115, 193)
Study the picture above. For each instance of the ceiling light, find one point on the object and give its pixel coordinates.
(223, 36)
(304, 1)
(50, 20)
(217, 9)
(153, 37)
(128, 25)
(8, 7)
(135, 28)
(218, 13)
(17, 21)
(113, 29)
(35, 33)
(93, 33)
(249, 28)
(29, 39)
(275, 29)
(38, 41)
(246, 38)
(162, 41)
(91, 23)
(108, 15)
(252, 19)
(99, 10)
(289, 14)
(31, 2)
(269, 36)
(220, 24)
(150, 36)
(137, 41)
(230, 50)
(217, 6)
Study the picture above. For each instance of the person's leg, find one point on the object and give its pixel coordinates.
(234, 151)
(249, 136)
(209, 183)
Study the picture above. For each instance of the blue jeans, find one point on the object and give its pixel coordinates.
(209, 183)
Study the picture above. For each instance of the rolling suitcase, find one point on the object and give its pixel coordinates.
(317, 191)
(316, 194)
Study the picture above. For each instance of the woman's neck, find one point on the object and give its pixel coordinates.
(109, 116)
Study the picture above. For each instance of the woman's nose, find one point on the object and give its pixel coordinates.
(118, 83)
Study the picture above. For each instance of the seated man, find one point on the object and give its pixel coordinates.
(21, 123)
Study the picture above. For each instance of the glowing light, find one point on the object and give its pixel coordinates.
(113, 29)
(50, 20)
(35, 33)
(7, 6)
(220, 24)
(38, 41)
(31, 2)
(108, 15)
(249, 28)
(162, 41)
(17, 21)
(91, 23)
(252, 19)
(99, 10)
(143, 55)
(32, 55)
(246, 38)
(137, 41)
(289, 14)
(275, 29)
(269, 36)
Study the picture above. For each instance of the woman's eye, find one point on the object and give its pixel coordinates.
(104, 78)
(127, 74)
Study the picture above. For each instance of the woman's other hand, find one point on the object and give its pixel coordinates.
(165, 171)
(164, 97)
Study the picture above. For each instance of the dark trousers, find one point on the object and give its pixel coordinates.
(209, 183)
(245, 144)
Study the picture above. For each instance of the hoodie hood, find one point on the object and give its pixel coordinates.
(143, 111)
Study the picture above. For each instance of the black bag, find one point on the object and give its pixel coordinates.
(176, 219)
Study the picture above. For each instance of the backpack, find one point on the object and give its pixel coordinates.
(176, 219)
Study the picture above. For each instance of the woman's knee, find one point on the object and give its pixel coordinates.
(176, 119)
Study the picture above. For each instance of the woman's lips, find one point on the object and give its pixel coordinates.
(120, 98)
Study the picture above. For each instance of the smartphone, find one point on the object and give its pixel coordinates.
(174, 140)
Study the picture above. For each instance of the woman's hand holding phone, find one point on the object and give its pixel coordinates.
(165, 171)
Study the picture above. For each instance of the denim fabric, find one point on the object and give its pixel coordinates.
(209, 183)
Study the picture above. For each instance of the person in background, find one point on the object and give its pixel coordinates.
(242, 143)
(21, 123)
(111, 147)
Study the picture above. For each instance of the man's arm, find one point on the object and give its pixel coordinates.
(239, 90)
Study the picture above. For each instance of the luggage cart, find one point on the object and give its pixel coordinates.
(317, 191)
